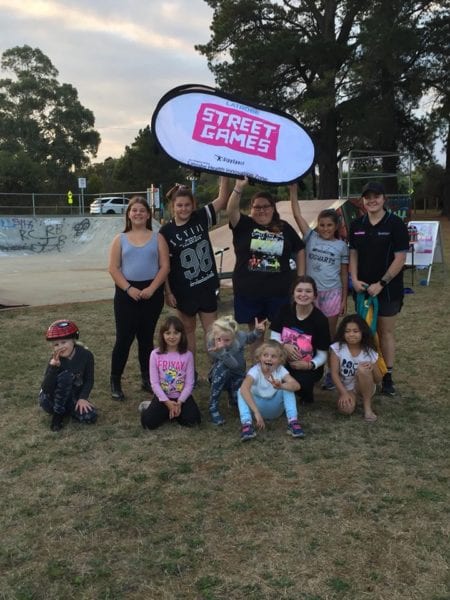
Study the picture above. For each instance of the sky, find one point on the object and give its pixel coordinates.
(122, 57)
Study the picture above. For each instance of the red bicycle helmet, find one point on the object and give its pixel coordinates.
(62, 329)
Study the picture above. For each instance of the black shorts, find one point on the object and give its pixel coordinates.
(386, 308)
(204, 301)
(389, 308)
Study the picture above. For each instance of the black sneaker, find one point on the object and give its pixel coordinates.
(57, 422)
(387, 386)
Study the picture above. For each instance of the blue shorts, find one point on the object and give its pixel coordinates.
(247, 309)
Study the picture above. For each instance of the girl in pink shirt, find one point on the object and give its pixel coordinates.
(172, 379)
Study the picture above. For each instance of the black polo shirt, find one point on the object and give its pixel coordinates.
(376, 246)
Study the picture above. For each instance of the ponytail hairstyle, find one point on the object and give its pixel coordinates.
(226, 323)
(179, 190)
(330, 213)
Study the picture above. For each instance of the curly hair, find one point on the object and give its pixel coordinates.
(367, 337)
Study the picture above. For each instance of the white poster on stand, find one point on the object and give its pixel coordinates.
(425, 246)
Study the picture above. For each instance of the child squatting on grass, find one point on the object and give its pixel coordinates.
(354, 367)
(268, 391)
(69, 377)
(172, 379)
(226, 345)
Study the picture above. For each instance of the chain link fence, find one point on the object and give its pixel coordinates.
(57, 204)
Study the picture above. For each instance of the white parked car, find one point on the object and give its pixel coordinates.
(109, 205)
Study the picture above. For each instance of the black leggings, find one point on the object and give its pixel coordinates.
(135, 319)
(307, 380)
(157, 413)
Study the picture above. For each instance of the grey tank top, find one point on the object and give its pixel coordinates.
(139, 263)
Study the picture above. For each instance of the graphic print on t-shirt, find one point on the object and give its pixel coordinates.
(321, 254)
(266, 247)
(303, 341)
(195, 254)
(172, 376)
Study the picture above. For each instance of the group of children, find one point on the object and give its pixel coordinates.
(266, 391)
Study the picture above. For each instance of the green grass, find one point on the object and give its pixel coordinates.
(353, 511)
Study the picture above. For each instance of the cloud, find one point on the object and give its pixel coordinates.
(121, 57)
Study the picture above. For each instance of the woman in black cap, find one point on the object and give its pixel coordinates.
(379, 242)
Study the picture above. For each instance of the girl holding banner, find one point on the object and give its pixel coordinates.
(264, 245)
(192, 284)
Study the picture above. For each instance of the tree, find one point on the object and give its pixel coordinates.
(385, 85)
(350, 70)
(42, 118)
(292, 56)
(437, 86)
(141, 165)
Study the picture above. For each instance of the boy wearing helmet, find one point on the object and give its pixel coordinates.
(69, 377)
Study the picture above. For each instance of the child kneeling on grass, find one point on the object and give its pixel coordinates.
(69, 377)
(172, 379)
(226, 345)
(268, 392)
(353, 364)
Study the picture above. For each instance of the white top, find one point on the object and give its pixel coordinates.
(261, 386)
(348, 364)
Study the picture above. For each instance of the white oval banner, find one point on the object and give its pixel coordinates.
(207, 130)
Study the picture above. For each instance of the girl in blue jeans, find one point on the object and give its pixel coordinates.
(268, 391)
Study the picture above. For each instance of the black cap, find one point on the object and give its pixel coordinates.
(373, 187)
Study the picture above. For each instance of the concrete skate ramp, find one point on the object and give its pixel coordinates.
(55, 260)
(222, 237)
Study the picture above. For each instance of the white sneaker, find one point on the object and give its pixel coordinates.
(143, 405)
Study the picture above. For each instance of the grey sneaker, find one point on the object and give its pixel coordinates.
(143, 405)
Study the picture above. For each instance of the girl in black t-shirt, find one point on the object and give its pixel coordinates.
(303, 330)
(192, 282)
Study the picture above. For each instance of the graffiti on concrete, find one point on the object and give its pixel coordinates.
(81, 227)
(38, 235)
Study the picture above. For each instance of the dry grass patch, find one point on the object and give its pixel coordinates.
(353, 511)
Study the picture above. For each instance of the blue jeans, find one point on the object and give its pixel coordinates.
(63, 400)
(222, 378)
(270, 408)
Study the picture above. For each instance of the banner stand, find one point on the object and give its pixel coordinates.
(426, 247)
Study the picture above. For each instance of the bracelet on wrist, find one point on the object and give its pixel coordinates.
(127, 288)
(236, 191)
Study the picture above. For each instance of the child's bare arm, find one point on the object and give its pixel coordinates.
(334, 368)
(299, 219)
(289, 384)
